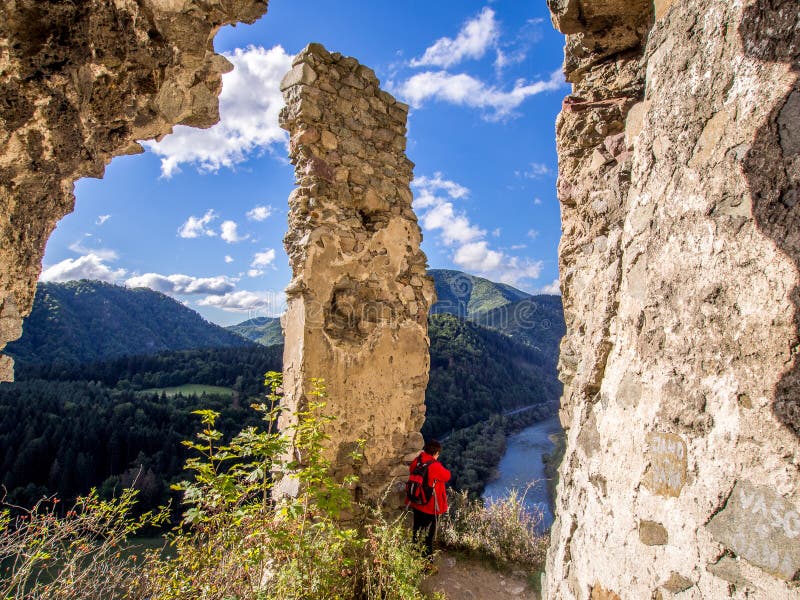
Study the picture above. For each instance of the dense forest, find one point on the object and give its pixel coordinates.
(66, 437)
(239, 368)
(476, 373)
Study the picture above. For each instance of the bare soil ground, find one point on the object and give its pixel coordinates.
(466, 579)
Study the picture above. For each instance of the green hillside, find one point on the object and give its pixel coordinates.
(466, 295)
(82, 321)
(261, 330)
(537, 321)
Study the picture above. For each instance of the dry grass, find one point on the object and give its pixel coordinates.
(504, 531)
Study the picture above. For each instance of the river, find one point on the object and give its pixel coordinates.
(522, 464)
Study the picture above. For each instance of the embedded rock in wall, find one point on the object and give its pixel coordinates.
(79, 83)
(359, 297)
(679, 174)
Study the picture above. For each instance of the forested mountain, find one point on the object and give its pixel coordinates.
(262, 330)
(81, 321)
(476, 373)
(466, 295)
(537, 321)
(66, 428)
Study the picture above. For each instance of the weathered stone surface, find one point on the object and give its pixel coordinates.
(600, 593)
(359, 297)
(730, 569)
(762, 527)
(652, 533)
(79, 83)
(677, 583)
(679, 269)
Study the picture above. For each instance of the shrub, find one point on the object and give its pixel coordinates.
(504, 531)
(44, 555)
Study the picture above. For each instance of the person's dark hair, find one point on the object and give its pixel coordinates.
(432, 447)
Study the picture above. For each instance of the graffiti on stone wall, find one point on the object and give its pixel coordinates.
(760, 526)
(666, 471)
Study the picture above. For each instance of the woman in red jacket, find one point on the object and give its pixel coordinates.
(425, 516)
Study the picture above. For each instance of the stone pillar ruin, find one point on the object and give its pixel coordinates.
(679, 182)
(80, 82)
(358, 301)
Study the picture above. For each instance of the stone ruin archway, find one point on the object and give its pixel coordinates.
(678, 182)
(79, 84)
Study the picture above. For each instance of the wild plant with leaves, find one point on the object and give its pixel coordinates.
(238, 540)
(79, 554)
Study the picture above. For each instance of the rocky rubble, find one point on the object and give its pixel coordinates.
(359, 297)
(678, 178)
(80, 82)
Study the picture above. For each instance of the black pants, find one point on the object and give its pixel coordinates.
(427, 524)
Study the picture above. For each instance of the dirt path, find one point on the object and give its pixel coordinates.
(465, 579)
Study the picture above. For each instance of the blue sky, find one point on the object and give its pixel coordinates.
(201, 215)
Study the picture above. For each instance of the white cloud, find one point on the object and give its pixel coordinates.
(455, 227)
(496, 232)
(533, 234)
(516, 51)
(182, 284)
(101, 253)
(477, 256)
(505, 59)
(249, 105)
(197, 226)
(536, 171)
(102, 219)
(537, 201)
(228, 259)
(471, 250)
(437, 182)
(255, 272)
(475, 38)
(518, 247)
(229, 232)
(552, 288)
(90, 266)
(259, 213)
(465, 90)
(268, 303)
(263, 259)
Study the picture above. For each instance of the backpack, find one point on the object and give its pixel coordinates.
(418, 490)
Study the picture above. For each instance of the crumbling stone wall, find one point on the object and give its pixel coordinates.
(679, 167)
(79, 83)
(359, 297)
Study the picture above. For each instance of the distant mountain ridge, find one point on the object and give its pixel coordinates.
(261, 330)
(537, 321)
(84, 321)
(467, 295)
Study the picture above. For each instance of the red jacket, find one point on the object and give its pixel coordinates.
(437, 476)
